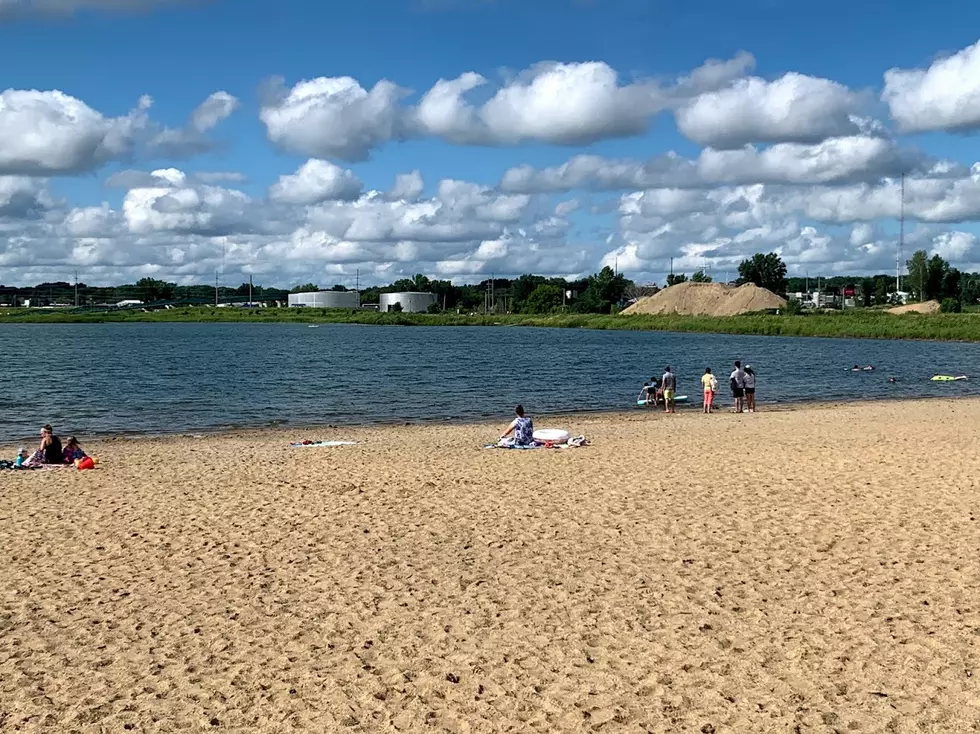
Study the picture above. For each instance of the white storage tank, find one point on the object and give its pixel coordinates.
(410, 302)
(326, 299)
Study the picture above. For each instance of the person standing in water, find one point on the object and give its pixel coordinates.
(668, 384)
(737, 380)
(749, 382)
(710, 385)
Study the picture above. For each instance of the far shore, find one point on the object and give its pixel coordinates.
(856, 323)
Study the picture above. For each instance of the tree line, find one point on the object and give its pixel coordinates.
(602, 292)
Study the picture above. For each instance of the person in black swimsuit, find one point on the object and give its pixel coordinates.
(49, 451)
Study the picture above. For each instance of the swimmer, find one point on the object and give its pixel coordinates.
(892, 379)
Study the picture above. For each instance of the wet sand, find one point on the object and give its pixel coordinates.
(793, 571)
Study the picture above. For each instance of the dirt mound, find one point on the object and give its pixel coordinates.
(927, 307)
(707, 299)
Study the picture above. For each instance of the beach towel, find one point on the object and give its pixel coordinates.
(318, 444)
(573, 442)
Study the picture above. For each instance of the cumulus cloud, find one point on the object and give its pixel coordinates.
(557, 103)
(50, 132)
(794, 108)
(172, 225)
(945, 96)
(316, 181)
(832, 161)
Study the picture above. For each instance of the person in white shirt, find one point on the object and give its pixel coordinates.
(737, 380)
(749, 382)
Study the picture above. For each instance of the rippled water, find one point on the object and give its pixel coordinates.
(113, 378)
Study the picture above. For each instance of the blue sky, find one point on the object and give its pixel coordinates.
(181, 53)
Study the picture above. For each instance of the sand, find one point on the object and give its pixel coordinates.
(804, 571)
(707, 299)
(924, 307)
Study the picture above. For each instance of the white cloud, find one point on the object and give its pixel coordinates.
(794, 108)
(316, 181)
(332, 117)
(52, 132)
(832, 161)
(556, 103)
(946, 96)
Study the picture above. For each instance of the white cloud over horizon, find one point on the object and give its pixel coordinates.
(794, 163)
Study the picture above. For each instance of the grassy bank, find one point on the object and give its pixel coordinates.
(864, 324)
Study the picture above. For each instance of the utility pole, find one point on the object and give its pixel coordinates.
(493, 294)
(901, 240)
(250, 290)
(216, 288)
(76, 289)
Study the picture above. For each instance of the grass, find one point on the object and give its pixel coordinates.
(858, 323)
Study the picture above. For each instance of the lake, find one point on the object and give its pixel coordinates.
(89, 379)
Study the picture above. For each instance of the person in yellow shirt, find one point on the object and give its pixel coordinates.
(710, 385)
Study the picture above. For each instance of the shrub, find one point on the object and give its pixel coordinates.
(951, 305)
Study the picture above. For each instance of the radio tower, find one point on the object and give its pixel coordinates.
(901, 240)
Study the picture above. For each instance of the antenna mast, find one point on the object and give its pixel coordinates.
(901, 240)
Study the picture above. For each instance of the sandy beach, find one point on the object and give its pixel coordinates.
(812, 570)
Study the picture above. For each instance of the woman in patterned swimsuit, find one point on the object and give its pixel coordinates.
(522, 427)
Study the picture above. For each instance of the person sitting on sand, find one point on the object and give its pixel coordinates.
(522, 427)
(72, 451)
(49, 451)
(23, 455)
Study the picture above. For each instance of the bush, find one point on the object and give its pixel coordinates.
(793, 307)
(951, 305)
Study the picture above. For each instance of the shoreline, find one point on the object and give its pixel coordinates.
(637, 415)
(855, 324)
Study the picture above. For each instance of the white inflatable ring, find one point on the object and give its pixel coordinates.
(550, 435)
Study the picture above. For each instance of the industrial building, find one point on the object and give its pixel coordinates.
(410, 302)
(326, 299)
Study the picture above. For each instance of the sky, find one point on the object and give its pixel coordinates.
(359, 143)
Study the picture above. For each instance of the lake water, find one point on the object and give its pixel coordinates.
(89, 379)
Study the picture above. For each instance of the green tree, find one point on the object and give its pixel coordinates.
(339, 288)
(969, 291)
(305, 288)
(700, 277)
(867, 291)
(605, 289)
(935, 276)
(952, 284)
(675, 278)
(918, 268)
(522, 288)
(151, 290)
(765, 271)
(950, 305)
(543, 299)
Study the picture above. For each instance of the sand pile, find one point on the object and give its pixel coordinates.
(707, 299)
(927, 307)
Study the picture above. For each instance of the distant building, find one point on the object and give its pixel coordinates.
(409, 302)
(130, 302)
(326, 299)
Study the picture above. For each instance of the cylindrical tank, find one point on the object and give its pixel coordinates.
(410, 302)
(326, 299)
